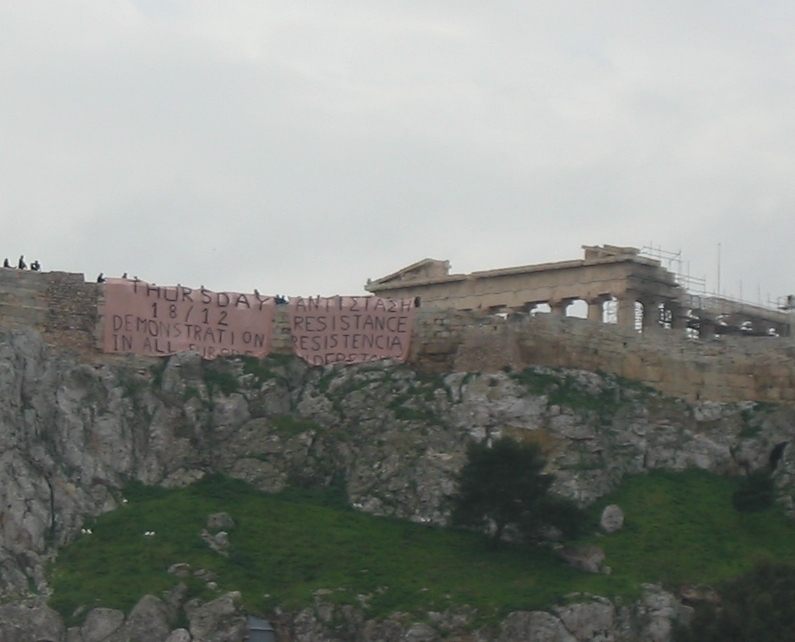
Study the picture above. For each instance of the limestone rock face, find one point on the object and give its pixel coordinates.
(592, 619)
(100, 623)
(23, 622)
(218, 621)
(652, 618)
(535, 626)
(587, 619)
(147, 621)
(75, 429)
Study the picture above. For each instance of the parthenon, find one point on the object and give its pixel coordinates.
(605, 273)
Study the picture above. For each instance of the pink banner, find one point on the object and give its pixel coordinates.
(350, 329)
(147, 319)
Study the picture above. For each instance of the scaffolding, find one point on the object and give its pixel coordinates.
(696, 287)
(674, 263)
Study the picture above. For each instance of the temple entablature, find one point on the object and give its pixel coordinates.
(605, 273)
(642, 294)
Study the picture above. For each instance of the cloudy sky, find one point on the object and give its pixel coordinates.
(300, 147)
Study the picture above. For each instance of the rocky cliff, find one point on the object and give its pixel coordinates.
(76, 427)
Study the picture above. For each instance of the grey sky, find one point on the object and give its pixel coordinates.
(301, 147)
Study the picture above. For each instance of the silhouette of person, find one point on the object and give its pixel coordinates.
(6, 263)
(21, 264)
(101, 277)
(35, 266)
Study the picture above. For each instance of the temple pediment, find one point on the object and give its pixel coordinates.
(419, 271)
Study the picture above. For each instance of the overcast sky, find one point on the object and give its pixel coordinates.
(301, 147)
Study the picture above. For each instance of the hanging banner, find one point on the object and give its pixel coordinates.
(152, 320)
(349, 329)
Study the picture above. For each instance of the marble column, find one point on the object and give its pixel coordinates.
(558, 308)
(596, 308)
(626, 311)
(679, 316)
(651, 316)
(706, 328)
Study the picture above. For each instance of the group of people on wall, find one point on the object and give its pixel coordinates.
(36, 267)
(21, 265)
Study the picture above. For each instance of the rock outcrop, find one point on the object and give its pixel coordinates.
(26, 621)
(220, 620)
(75, 428)
(586, 619)
(612, 519)
(589, 619)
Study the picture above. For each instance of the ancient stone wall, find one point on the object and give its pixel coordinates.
(68, 311)
(23, 297)
(727, 368)
(62, 305)
(71, 303)
(721, 369)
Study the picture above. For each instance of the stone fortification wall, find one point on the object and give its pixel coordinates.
(729, 368)
(60, 304)
(68, 311)
(721, 369)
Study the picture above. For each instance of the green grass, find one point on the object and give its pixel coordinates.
(682, 528)
(679, 528)
(289, 548)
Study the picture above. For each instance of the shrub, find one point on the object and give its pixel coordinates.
(757, 492)
(503, 485)
(221, 380)
(756, 607)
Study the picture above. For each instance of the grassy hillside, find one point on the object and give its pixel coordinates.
(680, 528)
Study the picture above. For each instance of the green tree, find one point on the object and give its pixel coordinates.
(503, 485)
